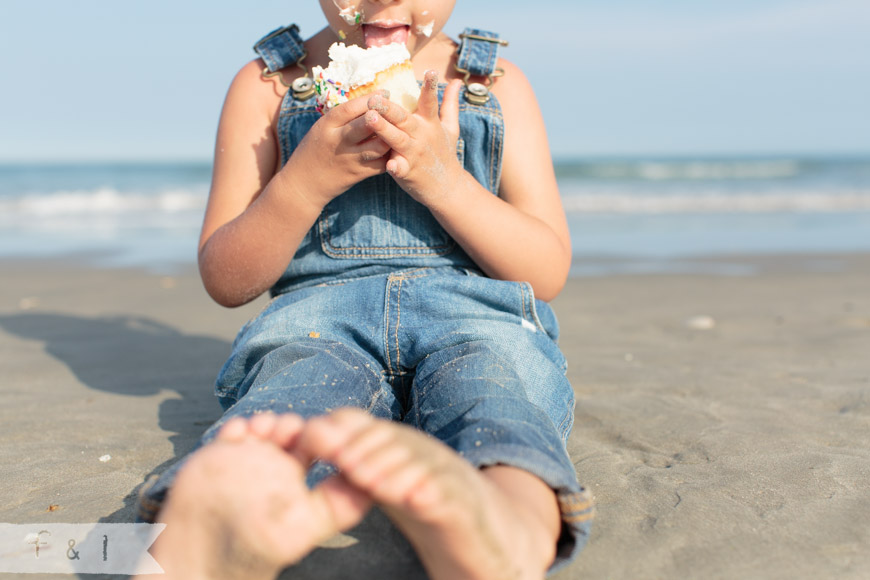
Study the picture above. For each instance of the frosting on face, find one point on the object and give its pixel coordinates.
(425, 29)
(347, 12)
(356, 25)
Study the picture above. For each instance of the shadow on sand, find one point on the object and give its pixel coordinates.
(138, 357)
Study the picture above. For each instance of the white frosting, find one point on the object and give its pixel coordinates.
(353, 66)
(346, 11)
(426, 30)
(350, 16)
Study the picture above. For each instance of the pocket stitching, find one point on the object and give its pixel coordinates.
(376, 252)
(530, 312)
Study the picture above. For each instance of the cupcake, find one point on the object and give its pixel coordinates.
(354, 71)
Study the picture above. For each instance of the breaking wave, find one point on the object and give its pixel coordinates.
(719, 202)
(104, 201)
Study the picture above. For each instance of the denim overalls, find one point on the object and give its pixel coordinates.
(380, 309)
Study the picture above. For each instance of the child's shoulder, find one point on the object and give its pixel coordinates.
(512, 76)
(253, 93)
(256, 78)
(262, 90)
(513, 89)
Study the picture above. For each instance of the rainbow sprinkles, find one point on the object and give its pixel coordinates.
(354, 71)
(329, 92)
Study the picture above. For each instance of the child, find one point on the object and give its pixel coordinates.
(404, 253)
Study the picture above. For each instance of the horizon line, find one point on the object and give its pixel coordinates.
(557, 158)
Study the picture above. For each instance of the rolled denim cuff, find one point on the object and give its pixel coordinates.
(148, 503)
(577, 512)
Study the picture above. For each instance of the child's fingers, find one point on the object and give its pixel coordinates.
(373, 149)
(346, 112)
(450, 108)
(395, 114)
(427, 105)
(396, 138)
(398, 166)
(349, 116)
(356, 131)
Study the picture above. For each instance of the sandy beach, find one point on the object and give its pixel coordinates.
(723, 422)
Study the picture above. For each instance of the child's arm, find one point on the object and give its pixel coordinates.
(256, 218)
(520, 235)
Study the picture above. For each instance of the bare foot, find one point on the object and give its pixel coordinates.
(239, 508)
(281, 430)
(464, 523)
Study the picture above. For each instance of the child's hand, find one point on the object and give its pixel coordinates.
(423, 158)
(338, 152)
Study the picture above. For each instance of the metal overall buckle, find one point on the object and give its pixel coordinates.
(303, 87)
(478, 93)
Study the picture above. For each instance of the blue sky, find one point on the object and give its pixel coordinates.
(99, 79)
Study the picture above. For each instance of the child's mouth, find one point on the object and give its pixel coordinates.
(381, 34)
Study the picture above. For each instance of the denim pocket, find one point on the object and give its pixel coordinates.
(540, 315)
(377, 219)
(529, 309)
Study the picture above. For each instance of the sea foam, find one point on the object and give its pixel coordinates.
(101, 201)
(716, 202)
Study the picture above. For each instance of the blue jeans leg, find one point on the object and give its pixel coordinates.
(307, 377)
(466, 396)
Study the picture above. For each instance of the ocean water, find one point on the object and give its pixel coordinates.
(132, 214)
(626, 215)
(653, 215)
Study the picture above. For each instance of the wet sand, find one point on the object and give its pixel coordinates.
(723, 421)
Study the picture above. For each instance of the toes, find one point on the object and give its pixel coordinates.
(262, 425)
(233, 431)
(343, 504)
(351, 416)
(282, 430)
(426, 499)
(401, 486)
(380, 468)
(368, 439)
(326, 435)
(287, 429)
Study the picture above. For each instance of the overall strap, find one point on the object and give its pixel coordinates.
(478, 55)
(282, 48)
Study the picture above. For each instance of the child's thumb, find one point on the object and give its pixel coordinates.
(450, 107)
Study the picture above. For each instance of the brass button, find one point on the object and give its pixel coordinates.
(476, 93)
(303, 88)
